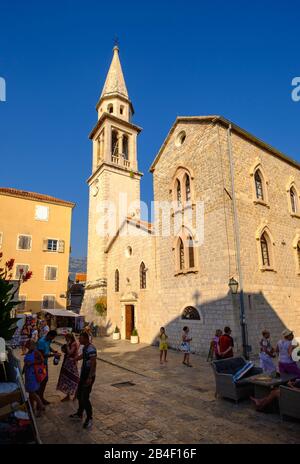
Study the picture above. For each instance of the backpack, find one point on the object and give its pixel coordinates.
(40, 368)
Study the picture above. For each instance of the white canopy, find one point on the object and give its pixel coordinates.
(60, 312)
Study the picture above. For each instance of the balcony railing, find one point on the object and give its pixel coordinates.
(120, 160)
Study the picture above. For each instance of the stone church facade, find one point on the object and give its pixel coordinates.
(250, 197)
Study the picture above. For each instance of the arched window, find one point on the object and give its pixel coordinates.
(294, 202)
(125, 146)
(190, 313)
(143, 278)
(187, 188)
(181, 254)
(178, 192)
(298, 254)
(191, 252)
(121, 109)
(259, 185)
(110, 108)
(114, 143)
(265, 250)
(117, 281)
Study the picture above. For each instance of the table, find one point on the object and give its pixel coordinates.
(264, 383)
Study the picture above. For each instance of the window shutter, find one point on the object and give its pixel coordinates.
(61, 246)
(45, 245)
(24, 242)
(51, 273)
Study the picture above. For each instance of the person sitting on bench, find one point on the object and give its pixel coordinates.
(261, 404)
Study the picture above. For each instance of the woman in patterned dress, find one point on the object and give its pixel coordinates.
(69, 377)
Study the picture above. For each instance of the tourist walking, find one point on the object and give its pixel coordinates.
(44, 328)
(44, 346)
(284, 349)
(34, 334)
(185, 346)
(216, 344)
(25, 336)
(267, 353)
(88, 330)
(226, 344)
(163, 345)
(69, 377)
(32, 360)
(87, 379)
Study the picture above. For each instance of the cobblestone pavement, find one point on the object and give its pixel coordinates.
(166, 404)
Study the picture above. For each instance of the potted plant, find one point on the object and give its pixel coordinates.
(116, 334)
(134, 336)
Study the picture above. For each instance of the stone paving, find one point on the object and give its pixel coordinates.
(167, 404)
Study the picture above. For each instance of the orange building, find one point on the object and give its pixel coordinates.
(35, 230)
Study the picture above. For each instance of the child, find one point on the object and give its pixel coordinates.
(163, 345)
(185, 346)
(266, 354)
(32, 385)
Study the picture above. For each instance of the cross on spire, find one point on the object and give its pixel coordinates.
(116, 41)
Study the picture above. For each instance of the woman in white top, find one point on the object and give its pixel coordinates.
(34, 334)
(284, 349)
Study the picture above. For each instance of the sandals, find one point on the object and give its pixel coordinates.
(188, 365)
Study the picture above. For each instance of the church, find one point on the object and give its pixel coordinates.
(231, 204)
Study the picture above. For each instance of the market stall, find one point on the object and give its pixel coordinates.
(64, 321)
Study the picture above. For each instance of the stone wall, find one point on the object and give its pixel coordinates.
(271, 297)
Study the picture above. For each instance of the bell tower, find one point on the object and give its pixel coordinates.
(115, 179)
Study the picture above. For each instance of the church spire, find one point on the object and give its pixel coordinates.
(115, 82)
(114, 98)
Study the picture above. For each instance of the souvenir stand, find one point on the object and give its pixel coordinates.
(64, 321)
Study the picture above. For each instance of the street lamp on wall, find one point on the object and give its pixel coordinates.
(233, 285)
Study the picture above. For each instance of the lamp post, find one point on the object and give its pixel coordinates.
(238, 248)
(234, 285)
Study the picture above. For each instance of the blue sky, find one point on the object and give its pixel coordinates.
(179, 58)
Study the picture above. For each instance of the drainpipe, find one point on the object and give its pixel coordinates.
(238, 250)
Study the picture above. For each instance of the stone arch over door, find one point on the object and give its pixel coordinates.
(129, 300)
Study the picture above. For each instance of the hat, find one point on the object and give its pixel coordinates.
(287, 333)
